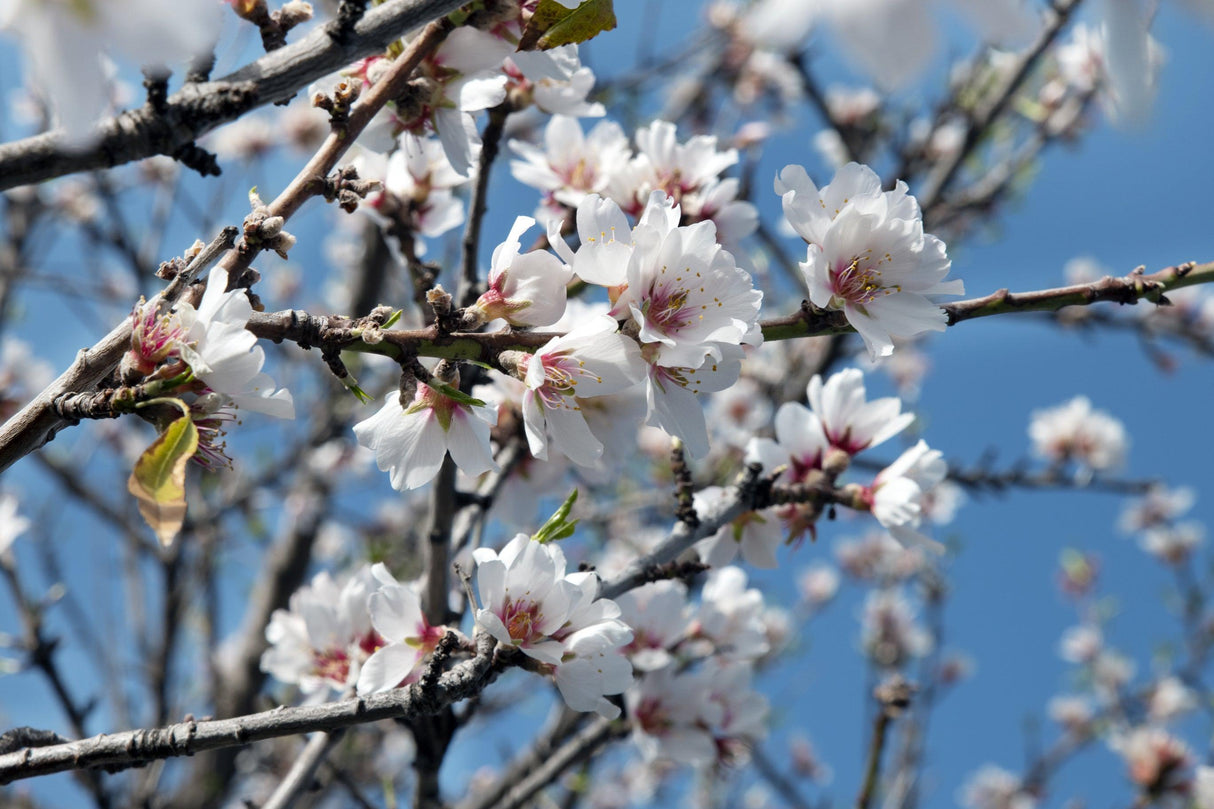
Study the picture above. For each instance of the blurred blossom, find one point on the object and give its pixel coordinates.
(890, 634)
(12, 524)
(818, 584)
(993, 787)
(1077, 572)
(1159, 506)
(22, 375)
(1111, 671)
(1074, 714)
(1157, 762)
(658, 614)
(1074, 432)
(737, 413)
(1084, 270)
(247, 138)
(1170, 698)
(1173, 544)
(878, 557)
(806, 762)
(1081, 644)
(731, 615)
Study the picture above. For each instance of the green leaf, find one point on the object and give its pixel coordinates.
(553, 25)
(456, 394)
(158, 480)
(558, 526)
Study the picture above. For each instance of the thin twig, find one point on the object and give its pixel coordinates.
(302, 772)
(197, 108)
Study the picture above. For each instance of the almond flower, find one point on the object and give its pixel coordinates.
(530, 604)
(898, 492)
(850, 421)
(409, 443)
(66, 44)
(525, 289)
(868, 255)
(396, 615)
(591, 360)
(321, 642)
(224, 354)
(1075, 432)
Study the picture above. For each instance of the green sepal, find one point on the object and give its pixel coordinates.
(558, 526)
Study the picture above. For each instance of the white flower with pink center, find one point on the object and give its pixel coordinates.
(1075, 432)
(322, 641)
(409, 443)
(659, 616)
(684, 291)
(867, 254)
(525, 289)
(851, 422)
(731, 615)
(529, 603)
(224, 354)
(571, 163)
(396, 615)
(591, 360)
(524, 597)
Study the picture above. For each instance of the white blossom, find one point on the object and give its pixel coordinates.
(899, 490)
(410, 443)
(867, 254)
(1075, 432)
(396, 614)
(526, 289)
(66, 45)
(324, 638)
(224, 354)
(591, 360)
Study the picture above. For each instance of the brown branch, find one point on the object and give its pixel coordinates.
(299, 779)
(1128, 289)
(197, 108)
(133, 748)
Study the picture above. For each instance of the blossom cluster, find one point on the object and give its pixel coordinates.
(815, 444)
(530, 603)
(694, 701)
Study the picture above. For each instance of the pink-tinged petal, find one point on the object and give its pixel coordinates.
(387, 667)
(396, 613)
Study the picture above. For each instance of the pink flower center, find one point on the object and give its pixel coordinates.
(332, 665)
(666, 307)
(561, 376)
(858, 282)
(522, 620)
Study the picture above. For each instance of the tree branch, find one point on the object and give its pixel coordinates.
(197, 108)
(133, 748)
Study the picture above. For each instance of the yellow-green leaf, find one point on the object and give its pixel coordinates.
(158, 480)
(553, 25)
